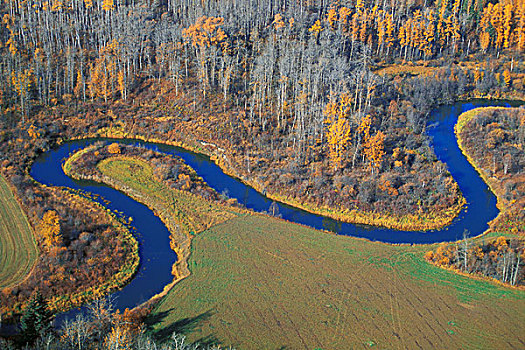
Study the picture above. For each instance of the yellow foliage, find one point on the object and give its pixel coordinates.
(374, 150)
(114, 148)
(506, 77)
(278, 22)
(33, 132)
(364, 126)
(120, 338)
(205, 32)
(108, 5)
(22, 81)
(332, 17)
(50, 229)
(429, 255)
(316, 28)
(186, 181)
(338, 134)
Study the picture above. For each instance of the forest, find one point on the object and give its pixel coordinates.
(293, 100)
(320, 104)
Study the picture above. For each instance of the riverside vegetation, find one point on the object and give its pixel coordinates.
(100, 327)
(321, 104)
(492, 138)
(169, 187)
(185, 204)
(75, 237)
(353, 292)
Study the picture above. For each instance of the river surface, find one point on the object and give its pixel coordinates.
(156, 257)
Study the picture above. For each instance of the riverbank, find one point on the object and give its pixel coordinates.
(489, 138)
(184, 213)
(115, 233)
(256, 201)
(419, 221)
(494, 172)
(260, 274)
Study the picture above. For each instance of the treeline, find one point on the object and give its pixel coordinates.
(501, 258)
(98, 327)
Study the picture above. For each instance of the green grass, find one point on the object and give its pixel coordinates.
(261, 283)
(183, 213)
(192, 212)
(18, 250)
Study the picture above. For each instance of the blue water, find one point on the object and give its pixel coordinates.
(157, 257)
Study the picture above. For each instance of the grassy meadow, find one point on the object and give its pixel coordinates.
(262, 283)
(194, 213)
(18, 250)
(183, 213)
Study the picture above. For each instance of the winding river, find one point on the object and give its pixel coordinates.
(157, 257)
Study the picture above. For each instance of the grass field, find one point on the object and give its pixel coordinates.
(261, 283)
(18, 250)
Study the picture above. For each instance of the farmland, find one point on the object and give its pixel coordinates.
(18, 250)
(259, 282)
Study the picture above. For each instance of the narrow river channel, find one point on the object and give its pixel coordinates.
(157, 257)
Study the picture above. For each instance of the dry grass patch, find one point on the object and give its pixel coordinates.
(397, 69)
(193, 212)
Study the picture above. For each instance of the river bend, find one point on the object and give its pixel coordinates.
(156, 257)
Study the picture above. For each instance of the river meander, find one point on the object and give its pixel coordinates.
(157, 257)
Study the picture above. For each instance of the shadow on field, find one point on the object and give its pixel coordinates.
(182, 326)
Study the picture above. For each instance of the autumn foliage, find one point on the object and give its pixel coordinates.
(50, 229)
(502, 259)
(338, 129)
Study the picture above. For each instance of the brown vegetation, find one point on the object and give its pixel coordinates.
(249, 86)
(86, 252)
(493, 140)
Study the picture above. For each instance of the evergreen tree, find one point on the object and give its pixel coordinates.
(36, 320)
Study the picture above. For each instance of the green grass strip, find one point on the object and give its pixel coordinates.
(18, 249)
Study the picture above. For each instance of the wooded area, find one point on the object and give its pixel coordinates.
(287, 89)
(290, 91)
(100, 326)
